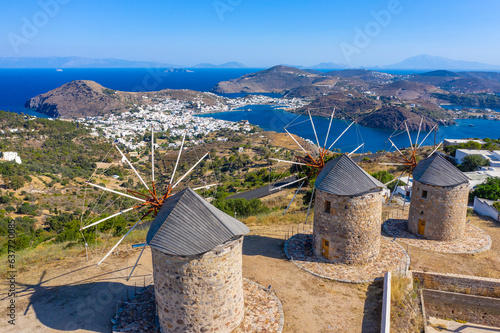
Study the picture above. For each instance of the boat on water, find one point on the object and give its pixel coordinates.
(470, 125)
(59, 70)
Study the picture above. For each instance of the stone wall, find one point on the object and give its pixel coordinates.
(444, 211)
(465, 284)
(474, 309)
(201, 293)
(352, 227)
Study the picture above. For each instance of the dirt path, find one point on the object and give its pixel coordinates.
(77, 296)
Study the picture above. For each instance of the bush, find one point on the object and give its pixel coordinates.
(473, 162)
(242, 207)
(488, 190)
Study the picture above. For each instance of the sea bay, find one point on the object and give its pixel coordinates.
(270, 118)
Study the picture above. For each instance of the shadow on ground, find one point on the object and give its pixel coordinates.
(83, 305)
(255, 245)
(372, 311)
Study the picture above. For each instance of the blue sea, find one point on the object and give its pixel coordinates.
(18, 85)
(374, 139)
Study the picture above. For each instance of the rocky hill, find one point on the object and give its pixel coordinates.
(84, 98)
(391, 117)
(275, 79)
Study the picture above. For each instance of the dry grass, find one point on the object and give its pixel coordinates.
(30, 258)
(406, 312)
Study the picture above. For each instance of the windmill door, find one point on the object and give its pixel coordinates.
(421, 227)
(326, 247)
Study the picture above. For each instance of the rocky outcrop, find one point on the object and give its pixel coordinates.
(274, 79)
(391, 117)
(84, 98)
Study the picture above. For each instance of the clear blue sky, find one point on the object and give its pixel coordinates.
(257, 33)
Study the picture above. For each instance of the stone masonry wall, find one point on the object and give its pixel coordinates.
(200, 293)
(444, 211)
(474, 309)
(352, 227)
(472, 285)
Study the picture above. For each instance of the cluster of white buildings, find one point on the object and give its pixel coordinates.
(287, 103)
(173, 116)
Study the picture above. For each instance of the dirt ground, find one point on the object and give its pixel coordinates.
(486, 264)
(74, 295)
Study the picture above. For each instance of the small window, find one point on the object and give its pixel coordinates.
(424, 194)
(327, 243)
(327, 206)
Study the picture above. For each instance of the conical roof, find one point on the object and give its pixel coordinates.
(436, 170)
(342, 176)
(188, 225)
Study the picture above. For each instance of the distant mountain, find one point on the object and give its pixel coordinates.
(75, 62)
(232, 64)
(327, 65)
(428, 62)
(275, 79)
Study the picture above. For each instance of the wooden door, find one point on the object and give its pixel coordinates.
(326, 248)
(421, 227)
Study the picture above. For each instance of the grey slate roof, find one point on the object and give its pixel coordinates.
(436, 170)
(188, 225)
(342, 176)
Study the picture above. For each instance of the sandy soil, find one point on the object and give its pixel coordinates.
(77, 296)
(486, 264)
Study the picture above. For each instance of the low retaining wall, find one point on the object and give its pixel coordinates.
(465, 284)
(385, 326)
(474, 309)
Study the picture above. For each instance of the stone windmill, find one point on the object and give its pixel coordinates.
(438, 206)
(197, 266)
(348, 213)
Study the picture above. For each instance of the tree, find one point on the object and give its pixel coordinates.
(488, 190)
(473, 162)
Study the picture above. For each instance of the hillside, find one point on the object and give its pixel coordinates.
(274, 79)
(84, 98)
(391, 117)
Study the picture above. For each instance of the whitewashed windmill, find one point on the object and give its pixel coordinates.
(148, 203)
(314, 164)
(408, 158)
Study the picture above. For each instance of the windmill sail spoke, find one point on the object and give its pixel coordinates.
(314, 129)
(152, 155)
(439, 145)
(392, 163)
(123, 237)
(293, 198)
(116, 192)
(340, 135)
(396, 187)
(352, 152)
(427, 136)
(189, 171)
(418, 134)
(138, 258)
(132, 167)
(287, 184)
(109, 217)
(178, 158)
(399, 151)
(310, 202)
(206, 187)
(285, 161)
(329, 126)
(296, 142)
(409, 136)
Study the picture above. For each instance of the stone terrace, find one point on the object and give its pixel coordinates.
(474, 241)
(392, 257)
